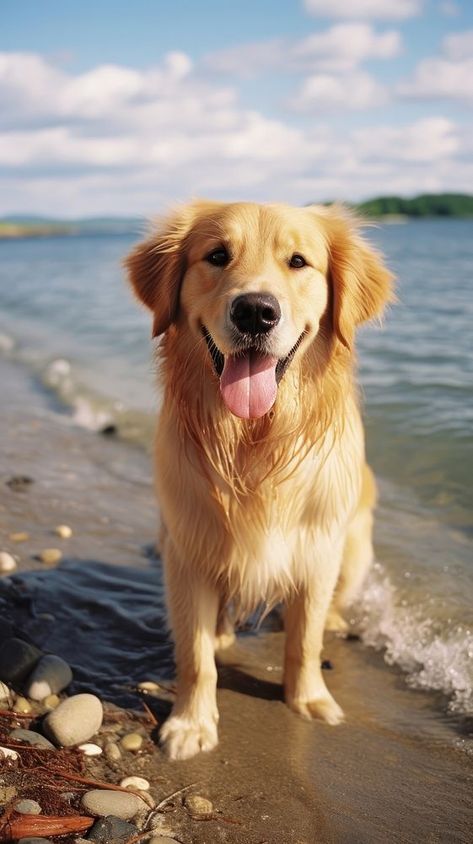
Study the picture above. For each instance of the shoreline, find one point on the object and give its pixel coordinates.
(394, 772)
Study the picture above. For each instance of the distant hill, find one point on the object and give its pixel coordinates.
(425, 205)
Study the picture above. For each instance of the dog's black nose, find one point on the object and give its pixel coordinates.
(255, 313)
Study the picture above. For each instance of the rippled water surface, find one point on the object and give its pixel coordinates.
(66, 312)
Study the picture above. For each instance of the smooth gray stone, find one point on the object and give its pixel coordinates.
(30, 737)
(75, 720)
(51, 675)
(102, 803)
(28, 807)
(112, 829)
(17, 660)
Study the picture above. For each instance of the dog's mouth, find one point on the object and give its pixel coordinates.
(249, 378)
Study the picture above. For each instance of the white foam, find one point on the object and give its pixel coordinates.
(7, 344)
(87, 416)
(442, 661)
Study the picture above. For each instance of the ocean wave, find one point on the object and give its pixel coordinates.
(93, 410)
(86, 407)
(433, 659)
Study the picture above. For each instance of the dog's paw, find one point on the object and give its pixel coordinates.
(182, 737)
(324, 708)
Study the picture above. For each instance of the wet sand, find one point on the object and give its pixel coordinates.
(395, 772)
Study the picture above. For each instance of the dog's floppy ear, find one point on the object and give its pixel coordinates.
(361, 283)
(156, 266)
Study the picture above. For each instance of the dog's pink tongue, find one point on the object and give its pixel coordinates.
(248, 384)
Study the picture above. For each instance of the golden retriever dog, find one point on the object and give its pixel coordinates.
(264, 492)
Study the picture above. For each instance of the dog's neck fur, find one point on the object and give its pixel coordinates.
(242, 454)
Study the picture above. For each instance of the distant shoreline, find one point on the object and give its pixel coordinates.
(385, 209)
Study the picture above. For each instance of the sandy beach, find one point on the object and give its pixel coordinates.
(397, 771)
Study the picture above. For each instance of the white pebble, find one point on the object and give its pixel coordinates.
(138, 783)
(90, 749)
(8, 753)
(112, 751)
(198, 807)
(28, 807)
(5, 692)
(50, 676)
(7, 562)
(50, 556)
(75, 720)
(64, 531)
(149, 686)
(19, 536)
(131, 741)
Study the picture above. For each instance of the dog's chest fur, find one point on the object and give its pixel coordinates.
(261, 542)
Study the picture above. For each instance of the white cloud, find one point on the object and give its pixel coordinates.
(342, 47)
(363, 9)
(450, 9)
(459, 45)
(448, 76)
(126, 141)
(345, 46)
(423, 142)
(357, 90)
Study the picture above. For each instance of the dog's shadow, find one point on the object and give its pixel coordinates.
(236, 679)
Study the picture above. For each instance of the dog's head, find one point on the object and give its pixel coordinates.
(256, 282)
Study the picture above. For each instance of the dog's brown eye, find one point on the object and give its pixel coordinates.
(297, 261)
(218, 258)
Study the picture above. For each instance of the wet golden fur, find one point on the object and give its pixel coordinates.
(273, 509)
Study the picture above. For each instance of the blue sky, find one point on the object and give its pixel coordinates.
(119, 107)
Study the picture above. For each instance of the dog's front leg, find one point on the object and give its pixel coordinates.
(193, 608)
(304, 685)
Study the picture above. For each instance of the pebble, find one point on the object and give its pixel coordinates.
(30, 737)
(17, 660)
(112, 752)
(50, 556)
(132, 741)
(161, 839)
(64, 531)
(89, 749)
(19, 536)
(111, 829)
(28, 807)
(19, 483)
(7, 562)
(8, 753)
(75, 720)
(50, 676)
(5, 693)
(138, 783)
(102, 803)
(198, 807)
(51, 701)
(22, 705)
(149, 686)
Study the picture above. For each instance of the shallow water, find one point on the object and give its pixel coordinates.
(64, 306)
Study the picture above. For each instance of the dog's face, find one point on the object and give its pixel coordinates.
(255, 282)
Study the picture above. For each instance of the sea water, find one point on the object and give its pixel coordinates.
(68, 315)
